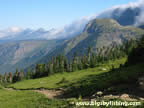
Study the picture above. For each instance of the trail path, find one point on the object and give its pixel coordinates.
(51, 94)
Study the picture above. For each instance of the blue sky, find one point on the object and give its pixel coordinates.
(49, 13)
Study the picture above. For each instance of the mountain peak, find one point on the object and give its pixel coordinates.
(101, 24)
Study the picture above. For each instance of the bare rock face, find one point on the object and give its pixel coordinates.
(141, 83)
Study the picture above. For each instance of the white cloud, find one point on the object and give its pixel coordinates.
(14, 29)
(72, 29)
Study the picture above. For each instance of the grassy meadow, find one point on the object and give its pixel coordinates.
(54, 81)
(80, 83)
(28, 99)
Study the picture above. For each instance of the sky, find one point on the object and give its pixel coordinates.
(49, 14)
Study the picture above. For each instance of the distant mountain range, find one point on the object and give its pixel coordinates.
(66, 32)
(21, 54)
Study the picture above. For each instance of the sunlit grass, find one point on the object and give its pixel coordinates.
(53, 80)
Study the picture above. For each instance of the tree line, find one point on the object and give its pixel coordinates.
(61, 63)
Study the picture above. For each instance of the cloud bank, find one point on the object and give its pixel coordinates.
(76, 27)
(120, 9)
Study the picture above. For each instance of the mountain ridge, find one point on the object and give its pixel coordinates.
(97, 33)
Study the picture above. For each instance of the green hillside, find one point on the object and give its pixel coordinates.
(52, 81)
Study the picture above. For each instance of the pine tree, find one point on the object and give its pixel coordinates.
(61, 63)
(10, 77)
(85, 62)
(37, 74)
(15, 76)
(65, 64)
(92, 61)
(80, 65)
(137, 54)
(28, 74)
(75, 62)
(89, 53)
(5, 77)
(20, 75)
(33, 74)
(1, 79)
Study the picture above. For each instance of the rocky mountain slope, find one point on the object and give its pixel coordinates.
(97, 33)
(21, 54)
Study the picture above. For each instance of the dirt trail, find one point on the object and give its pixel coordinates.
(51, 94)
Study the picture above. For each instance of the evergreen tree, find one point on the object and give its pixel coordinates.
(61, 63)
(85, 62)
(37, 74)
(20, 75)
(33, 74)
(10, 77)
(80, 65)
(92, 61)
(65, 64)
(15, 76)
(5, 77)
(89, 53)
(137, 54)
(75, 62)
(1, 79)
(28, 74)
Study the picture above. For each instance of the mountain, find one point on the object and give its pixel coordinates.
(21, 54)
(97, 33)
(12, 34)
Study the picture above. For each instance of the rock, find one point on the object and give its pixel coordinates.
(124, 96)
(141, 83)
(41, 82)
(110, 97)
(97, 94)
(103, 69)
(142, 99)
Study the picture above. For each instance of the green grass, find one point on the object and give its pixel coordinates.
(84, 83)
(28, 99)
(53, 81)
(31, 99)
(108, 80)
